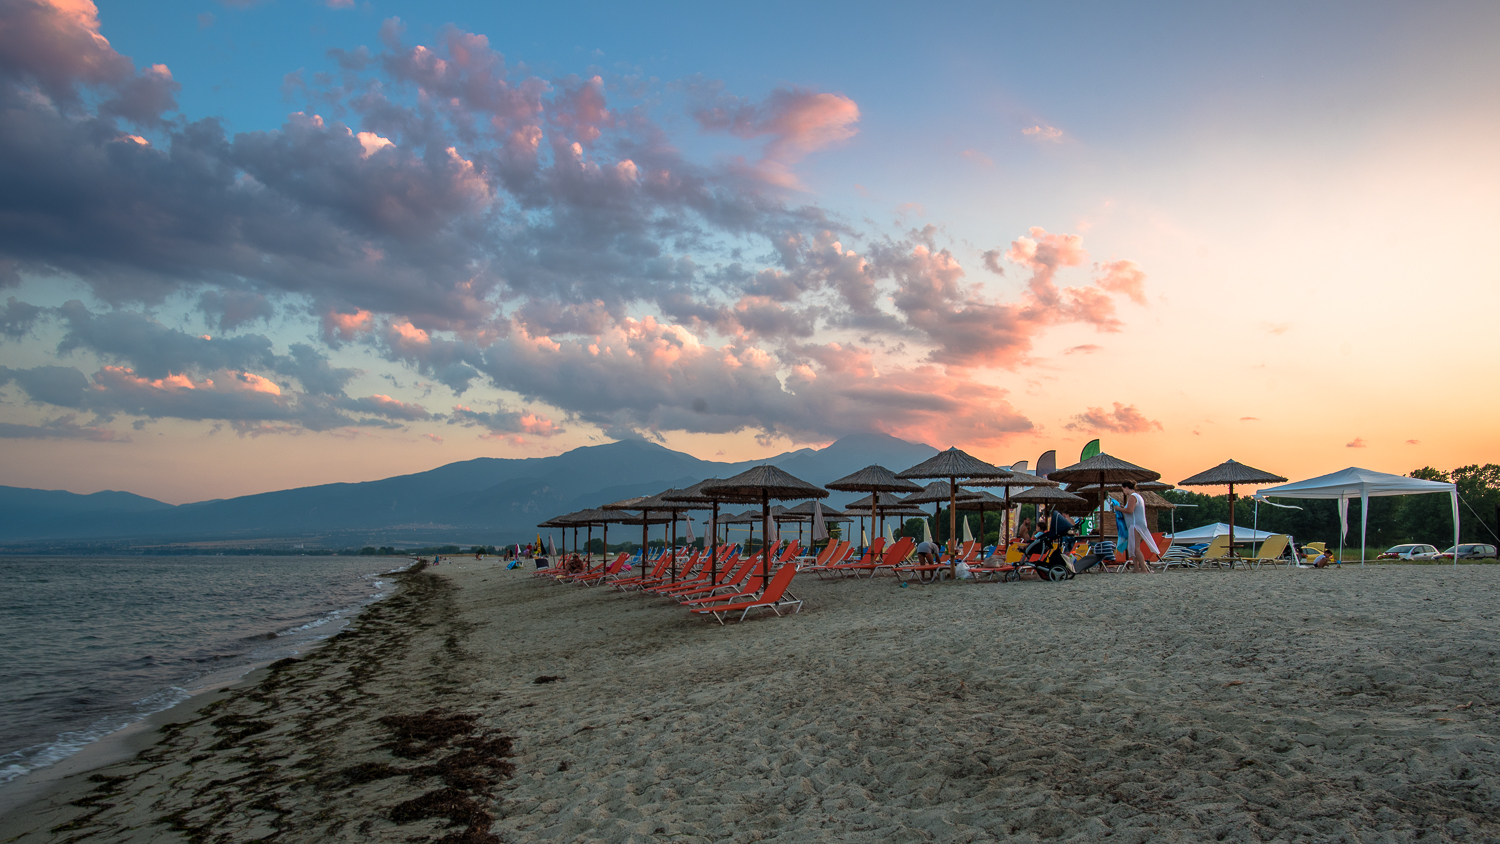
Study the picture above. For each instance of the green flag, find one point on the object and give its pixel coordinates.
(1090, 450)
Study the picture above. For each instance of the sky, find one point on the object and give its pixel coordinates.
(247, 246)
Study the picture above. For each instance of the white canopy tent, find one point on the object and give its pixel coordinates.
(1365, 484)
(1208, 532)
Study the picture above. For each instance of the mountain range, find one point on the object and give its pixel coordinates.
(486, 500)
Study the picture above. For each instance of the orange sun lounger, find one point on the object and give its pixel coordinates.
(771, 599)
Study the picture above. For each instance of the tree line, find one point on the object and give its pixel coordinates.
(1393, 520)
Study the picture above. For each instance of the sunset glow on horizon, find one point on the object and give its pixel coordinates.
(251, 246)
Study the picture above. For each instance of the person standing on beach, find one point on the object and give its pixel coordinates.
(1136, 539)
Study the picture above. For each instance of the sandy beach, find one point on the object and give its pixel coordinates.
(481, 704)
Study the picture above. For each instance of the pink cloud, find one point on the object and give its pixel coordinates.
(1249, 418)
(1043, 132)
(978, 158)
(1085, 349)
(342, 326)
(1413, 442)
(1124, 277)
(433, 437)
(383, 405)
(1357, 442)
(797, 121)
(57, 43)
(1123, 420)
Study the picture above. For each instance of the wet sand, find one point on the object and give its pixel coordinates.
(1271, 705)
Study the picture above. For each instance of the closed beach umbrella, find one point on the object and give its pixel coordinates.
(954, 464)
(1228, 474)
(766, 482)
(819, 529)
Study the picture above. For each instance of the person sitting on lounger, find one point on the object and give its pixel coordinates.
(1059, 526)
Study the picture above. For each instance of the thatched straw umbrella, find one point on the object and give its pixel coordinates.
(880, 505)
(987, 502)
(564, 522)
(646, 519)
(664, 502)
(766, 482)
(936, 493)
(694, 494)
(954, 464)
(1228, 474)
(1019, 479)
(587, 519)
(1051, 496)
(807, 510)
(1102, 469)
(873, 479)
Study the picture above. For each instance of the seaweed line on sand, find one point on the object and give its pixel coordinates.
(316, 746)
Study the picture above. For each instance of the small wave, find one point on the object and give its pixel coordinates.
(26, 760)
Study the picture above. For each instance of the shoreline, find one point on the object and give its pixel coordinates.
(480, 704)
(96, 752)
(44, 784)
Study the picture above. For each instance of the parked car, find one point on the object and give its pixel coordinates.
(1471, 551)
(1414, 551)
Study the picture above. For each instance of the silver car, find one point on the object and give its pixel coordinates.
(1471, 551)
(1411, 551)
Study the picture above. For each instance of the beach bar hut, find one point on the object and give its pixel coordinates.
(1364, 484)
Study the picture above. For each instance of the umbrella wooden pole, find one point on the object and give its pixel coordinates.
(952, 517)
(765, 541)
(645, 528)
(1101, 512)
(605, 555)
(713, 554)
(590, 548)
(1231, 518)
(674, 546)
(1005, 517)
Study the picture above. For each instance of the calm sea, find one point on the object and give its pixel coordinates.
(89, 645)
